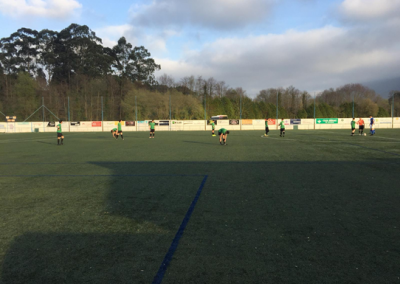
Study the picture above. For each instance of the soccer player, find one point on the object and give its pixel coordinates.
(353, 126)
(223, 134)
(372, 125)
(119, 130)
(152, 126)
(282, 124)
(266, 127)
(361, 125)
(113, 132)
(60, 136)
(213, 127)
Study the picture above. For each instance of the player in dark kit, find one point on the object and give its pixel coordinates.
(223, 134)
(266, 127)
(353, 126)
(152, 126)
(372, 125)
(361, 124)
(114, 132)
(213, 127)
(282, 124)
(119, 130)
(60, 136)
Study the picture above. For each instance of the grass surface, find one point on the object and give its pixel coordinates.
(313, 207)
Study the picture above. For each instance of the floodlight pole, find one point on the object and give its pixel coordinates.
(205, 105)
(277, 103)
(314, 104)
(43, 112)
(69, 117)
(240, 106)
(43, 108)
(170, 112)
(135, 108)
(136, 121)
(102, 116)
(353, 105)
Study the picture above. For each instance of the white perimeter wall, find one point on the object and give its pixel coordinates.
(191, 125)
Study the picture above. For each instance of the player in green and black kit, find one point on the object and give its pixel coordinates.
(213, 127)
(223, 134)
(119, 130)
(282, 124)
(152, 126)
(114, 132)
(60, 136)
(266, 127)
(353, 126)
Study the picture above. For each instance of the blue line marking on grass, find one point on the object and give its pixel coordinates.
(174, 245)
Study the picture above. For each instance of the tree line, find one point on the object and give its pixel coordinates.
(78, 77)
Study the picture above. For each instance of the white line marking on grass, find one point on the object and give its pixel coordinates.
(381, 137)
(281, 138)
(23, 140)
(386, 138)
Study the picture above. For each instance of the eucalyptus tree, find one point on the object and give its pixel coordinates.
(133, 63)
(19, 52)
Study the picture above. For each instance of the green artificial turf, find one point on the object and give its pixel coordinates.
(312, 207)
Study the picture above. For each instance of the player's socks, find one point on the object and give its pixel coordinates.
(116, 137)
(58, 141)
(122, 136)
(62, 141)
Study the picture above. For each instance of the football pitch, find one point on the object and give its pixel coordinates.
(312, 207)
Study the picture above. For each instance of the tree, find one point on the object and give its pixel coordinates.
(134, 64)
(19, 52)
(382, 112)
(302, 113)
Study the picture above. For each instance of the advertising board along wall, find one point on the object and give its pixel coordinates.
(194, 125)
(3, 127)
(396, 122)
(84, 126)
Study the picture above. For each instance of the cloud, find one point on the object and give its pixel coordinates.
(155, 43)
(366, 10)
(218, 14)
(55, 9)
(312, 60)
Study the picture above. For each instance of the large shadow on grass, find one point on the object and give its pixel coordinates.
(264, 222)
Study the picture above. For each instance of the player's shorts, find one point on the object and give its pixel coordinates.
(151, 130)
(361, 126)
(213, 128)
(59, 134)
(282, 129)
(220, 133)
(353, 128)
(119, 131)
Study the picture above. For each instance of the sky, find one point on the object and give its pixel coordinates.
(254, 44)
